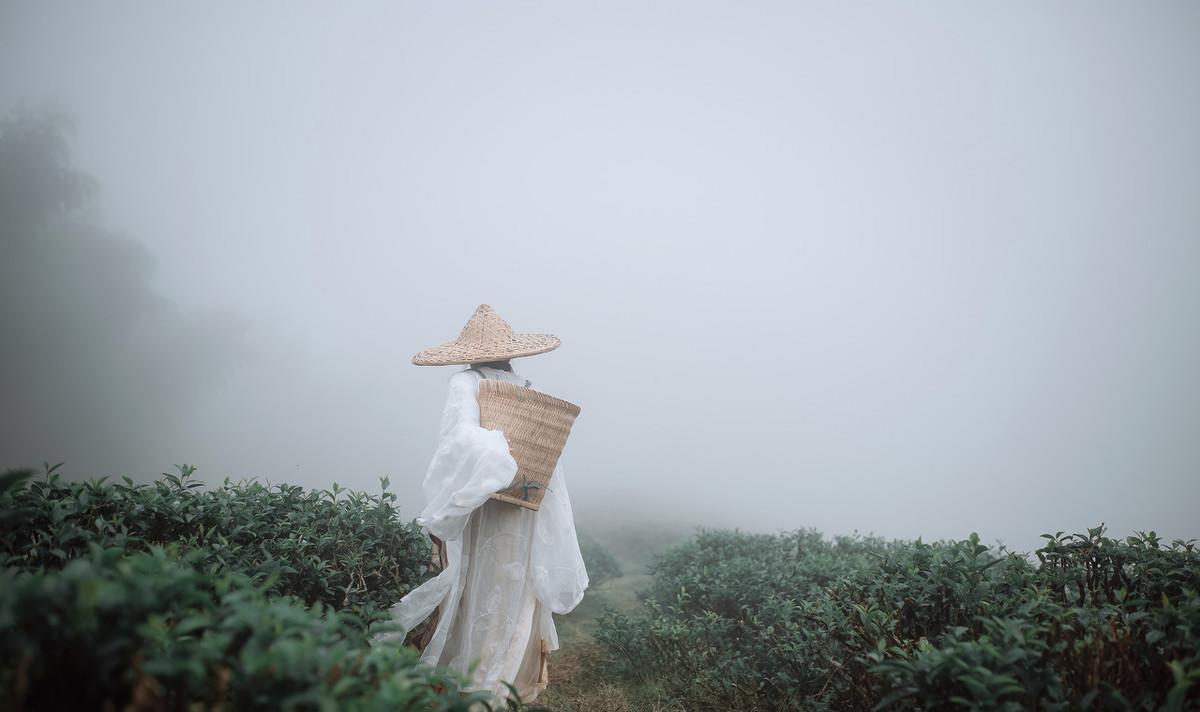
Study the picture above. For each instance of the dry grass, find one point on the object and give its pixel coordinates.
(576, 670)
(577, 683)
(575, 686)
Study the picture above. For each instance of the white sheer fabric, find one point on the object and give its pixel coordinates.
(508, 568)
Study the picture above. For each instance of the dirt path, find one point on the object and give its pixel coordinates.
(571, 688)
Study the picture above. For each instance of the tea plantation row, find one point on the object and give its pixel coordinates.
(169, 596)
(737, 621)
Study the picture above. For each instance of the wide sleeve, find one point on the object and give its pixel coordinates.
(471, 462)
(559, 576)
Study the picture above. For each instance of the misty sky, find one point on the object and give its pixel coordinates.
(915, 269)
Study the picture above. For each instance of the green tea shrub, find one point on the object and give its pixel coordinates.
(151, 631)
(342, 548)
(728, 619)
(1101, 623)
(601, 565)
(169, 597)
(762, 622)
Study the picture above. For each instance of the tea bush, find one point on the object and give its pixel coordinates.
(601, 565)
(150, 631)
(795, 621)
(168, 597)
(345, 549)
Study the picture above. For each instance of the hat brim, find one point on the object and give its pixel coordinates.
(455, 352)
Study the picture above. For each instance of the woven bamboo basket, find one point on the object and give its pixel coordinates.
(536, 426)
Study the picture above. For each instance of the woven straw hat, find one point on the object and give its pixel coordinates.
(486, 337)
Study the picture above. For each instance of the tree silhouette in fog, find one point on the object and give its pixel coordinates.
(95, 363)
(36, 177)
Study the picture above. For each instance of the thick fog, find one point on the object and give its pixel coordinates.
(914, 269)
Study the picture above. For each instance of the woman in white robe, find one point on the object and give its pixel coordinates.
(506, 568)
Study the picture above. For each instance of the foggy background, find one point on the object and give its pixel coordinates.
(914, 270)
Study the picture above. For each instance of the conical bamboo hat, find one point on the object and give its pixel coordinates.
(486, 337)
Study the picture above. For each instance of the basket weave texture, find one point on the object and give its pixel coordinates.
(536, 426)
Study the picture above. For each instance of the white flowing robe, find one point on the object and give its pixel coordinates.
(508, 567)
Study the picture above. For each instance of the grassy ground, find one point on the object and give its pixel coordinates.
(574, 684)
(577, 680)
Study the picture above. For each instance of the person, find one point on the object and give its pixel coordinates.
(504, 569)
